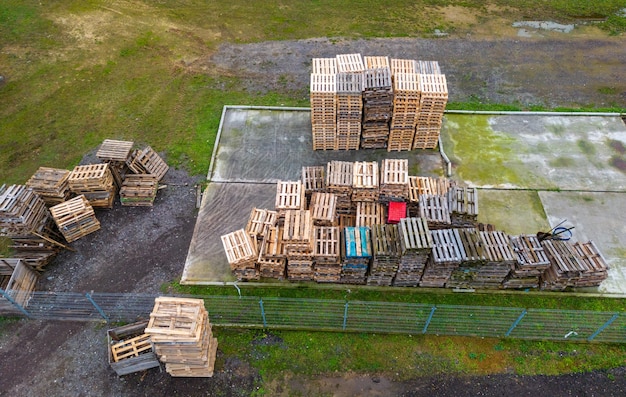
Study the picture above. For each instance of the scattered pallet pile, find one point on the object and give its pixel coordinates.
(386, 254)
(356, 255)
(531, 263)
(432, 103)
(327, 254)
(75, 218)
(241, 255)
(416, 244)
(116, 154)
(377, 103)
(95, 183)
(51, 184)
(447, 254)
(147, 161)
(131, 349)
(139, 190)
(182, 337)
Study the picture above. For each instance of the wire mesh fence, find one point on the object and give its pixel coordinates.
(337, 315)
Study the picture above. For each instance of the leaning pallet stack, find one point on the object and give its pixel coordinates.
(377, 103)
(298, 241)
(147, 161)
(259, 222)
(370, 214)
(386, 252)
(433, 99)
(596, 267)
(339, 182)
(326, 254)
(424, 185)
(323, 95)
(500, 260)
(349, 77)
(139, 190)
(51, 184)
(356, 255)
(531, 262)
(446, 256)
(394, 180)
(75, 218)
(472, 261)
(463, 206)
(406, 100)
(22, 212)
(272, 258)
(181, 334)
(434, 208)
(241, 255)
(365, 186)
(566, 266)
(116, 154)
(95, 182)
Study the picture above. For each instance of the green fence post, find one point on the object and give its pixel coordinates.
(263, 313)
(345, 316)
(14, 303)
(515, 324)
(603, 327)
(88, 295)
(429, 319)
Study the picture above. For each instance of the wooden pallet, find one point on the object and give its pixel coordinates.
(290, 195)
(147, 161)
(394, 178)
(326, 242)
(434, 208)
(298, 233)
(313, 179)
(324, 66)
(531, 262)
(596, 266)
(75, 218)
(141, 360)
(132, 347)
(369, 214)
(238, 247)
(114, 150)
(339, 176)
(399, 66)
(347, 63)
(463, 206)
(51, 184)
(260, 221)
(427, 67)
(447, 254)
(95, 182)
(22, 283)
(22, 212)
(386, 253)
(416, 244)
(323, 209)
(139, 190)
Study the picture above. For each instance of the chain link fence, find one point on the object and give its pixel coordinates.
(337, 315)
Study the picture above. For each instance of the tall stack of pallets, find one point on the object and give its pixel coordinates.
(394, 180)
(446, 256)
(463, 206)
(272, 258)
(182, 337)
(416, 244)
(472, 261)
(406, 100)
(241, 255)
(326, 254)
(51, 184)
(432, 104)
(596, 268)
(116, 154)
(386, 251)
(365, 185)
(356, 255)
(566, 266)
(339, 182)
(298, 242)
(323, 95)
(531, 262)
(95, 182)
(349, 77)
(75, 218)
(377, 102)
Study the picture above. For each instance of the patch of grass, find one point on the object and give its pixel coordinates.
(608, 90)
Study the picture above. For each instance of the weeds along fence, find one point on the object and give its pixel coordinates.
(339, 316)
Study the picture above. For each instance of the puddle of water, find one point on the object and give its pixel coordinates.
(544, 25)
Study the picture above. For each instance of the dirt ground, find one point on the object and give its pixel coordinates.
(139, 249)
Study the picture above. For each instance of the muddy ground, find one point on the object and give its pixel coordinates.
(139, 249)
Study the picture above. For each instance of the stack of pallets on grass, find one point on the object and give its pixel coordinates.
(298, 241)
(18, 280)
(272, 258)
(116, 154)
(386, 252)
(566, 266)
(95, 182)
(182, 337)
(130, 349)
(596, 267)
(500, 260)
(394, 180)
(289, 196)
(531, 262)
(323, 96)
(434, 208)
(377, 102)
(323, 209)
(313, 180)
(365, 186)
(51, 184)
(349, 77)
(473, 260)
(241, 255)
(147, 161)
(139, 190)
(463, 206)
(433, 99)
(370, 214)
(339, 182)
(406, 102)
(356, 255)
(326, 254)
(446, 256)
(75, 218)
(424, 185)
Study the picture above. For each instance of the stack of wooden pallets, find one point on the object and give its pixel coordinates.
(326, 254)
(566, 266)
(339, 182)
(365, 185)
(356, 255)
(424, 185)
(500, 260)
(139, 190)
(313, 180)
(596, 267)
(116, 154)
(463, 206)
(377, 102)
(289, 196)
(323, 95)
(241, 255)
(370, 214)
(259, 223)
(130, 349)
(386, 251)
(298, 242)
(51, 185)
(272, 258)
(446, 256)
(323, 209)
(182, 337)
(433, 99)
(95, 182)
(416, 244)
(473, 260)
(434, 208)
(394, 180)
(406, 100)
(349, 77)
(75, 218)
(22, 212)
(531, 262)
(147, 161)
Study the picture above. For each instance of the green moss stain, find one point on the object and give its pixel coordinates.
(513, 211)
(586, 147)
(562, 162)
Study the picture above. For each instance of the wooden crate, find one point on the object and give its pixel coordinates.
(323, 209)
(289, 196)
(130, 350)
(147, 161)
(114, 150)
(51, 184)
(369, 214)
(75, 218)
(139, 190)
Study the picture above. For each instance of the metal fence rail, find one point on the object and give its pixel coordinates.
(337, 315)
